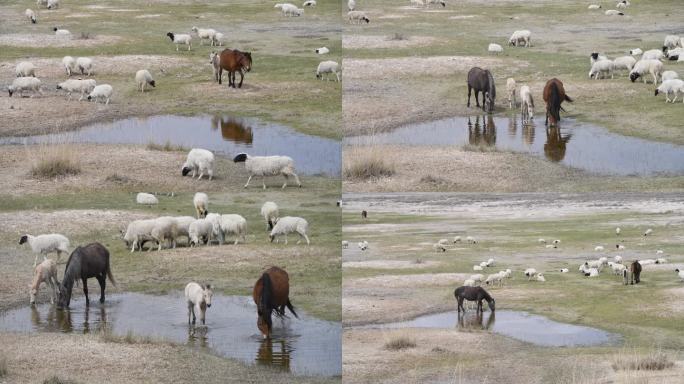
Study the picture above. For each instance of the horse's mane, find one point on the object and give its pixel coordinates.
(492, 87)
(73, 263)
(486, 295)
(265, 304)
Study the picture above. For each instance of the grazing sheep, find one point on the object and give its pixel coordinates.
(137, 233)
(494, 278)
(551, 246)
(671, 42)
(457, 239)
(83, 87)
(30, 15)
(268, 166)
(201, 203)
(564, 270)
(529, 273)
(471, 240)
(164, 229)
(527, 110)
(489, 263)
(439, 2)
(619, 247)
(351, 5)
(510, 87)
(443, 241)
(483, 264)
(540, 241)
(635, 51)
(322, 50)
(477, 268)
(199, 161)
(540, 277)
(146, 199)
(648, 232)
(205, 33)
(309, 3)
(675, 86)
(478, 277)
(69, 64)
(647, 262)
(363, 245)
(612, 12)
(599, 248)
(644, 66)
(52, 4)
(680, 273)
(183, 227)
(289, 224)
(201, 232)
(231, 224)
(469, 283)
(61, 32)
(653, 54)
(661, 261)
(215, 61)
(556, 241)
(522, 36)
(179, 39)
(345, 244)
(44, 244)
(594, 6)
(218, 39)
(494, 48)
(328, 67)
(674, 54)
(269, 211)
(198, 298)
(142, 78)
(622, 4)
(45, 272)
(617, 231)
(25, 69)
(617, 268)
(595, 56)
(624, 62)
(618, 259)
(85, 65)
(290, 9)
(601, 67)
(102, 91)
(356, 17)
(21, 84)
(439, 247)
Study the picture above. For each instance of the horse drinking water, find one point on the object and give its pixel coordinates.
(91, 260)
(271, 293)
(554, 95)
(45, 272)
(481, 80)
(234, 61)
(476, 294)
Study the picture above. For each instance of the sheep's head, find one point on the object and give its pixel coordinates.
(240, 158)
(54, 29)
(271, 237)
(185, 170)
(594, 55)
(23, 239)
(170, 35)
(152, 83)
(367, 20)
(634, 76)
(10, 89)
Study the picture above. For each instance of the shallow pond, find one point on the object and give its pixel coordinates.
(582, 146)
(522, 326)
(222, 135)
(304, 346)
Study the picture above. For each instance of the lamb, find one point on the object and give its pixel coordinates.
(164, 229)
(85, 65)
(439, 247)
(477, 268)
(356, 17)
(215, 61)
(564, 270)
(45, 272)
(599, 248)
(52, 4)
(200, 232)
(612, 12)
(653, 54)
(21, 84)
(636, 52)
(328, 67)
(183, 227)
(198, 298)
(644, 66)
(205, 33)
(671, 86)
(521, 36)
(146, 199)
(83, 87)
(624, 62)
(648, 232)
(510, 87)
(231, 224)
(201, 203)
(494, 48)
(527, 109)
(309, 3)
(345, 244)
(289, 224)
(594, 6)
(61, 32)
(137, 233)
(180, 39)
(322, 50)
(199, 161)
(671, 42)
(30, 15)
(540, 277)
(351, 5)
(218, 39)
(291, 10)
(69, 64)
(143, 77)
(102, 91)
(268, 166)
(269, 211)
(44, 244)
(25, 69)
(489, 263)
(680, 273)
(601, 67)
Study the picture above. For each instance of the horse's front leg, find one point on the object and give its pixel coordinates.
(469, 89)
(103, 283)
(85, 290)
(477, 100)
(479, 306)
(242, 77)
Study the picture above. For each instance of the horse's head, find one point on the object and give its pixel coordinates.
(489, 102)
(212, 57)
(207, 294)
(492, 304)
(34, 292)
(247, 61)
(63, 295)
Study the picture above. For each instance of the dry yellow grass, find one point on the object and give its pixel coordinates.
(654, 360)
(51, 161)
(366, 163)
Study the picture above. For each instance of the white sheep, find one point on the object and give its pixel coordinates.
(659, 252)
(351, 5)
(564, 270)
(443, 241)
(180, 39)
(483, 264)
(653, 54)
(101, 92)
(269, 211)
(675, 86)
(457, 239)
(471, 240)
(21, 84)
(617, 231)
(290, 10)
(529, 273)
(205, 33)
(594, 6)
(601, 67)
(201, 231)
(648, 232)
(218, 39)
(137, 233)
(647, 261)
(618, 259)
(617, 268)
(61, 32)
(661, 261)
(85, 65)
(322, 50)
(494, 48)
(613, 12)
(363, 245)
(356, 17)
(52, 4)
(439, 2)
(45, 244)
(510, 87)
(45, 272)
(328, 67)
(439, 247)
(183, 227)
(469, 283)
(624, 62)
(31, 15)
(622, 4)
(527, 110)
(494, 278)
(164, 229)
(671, 42)
(644, 66)
(69, 64)
(201, 203)
(142, 78)
(83, 87)
(268, 166)
(540, 277)
(309, 3)
(25, 69)
(477, 268)
(345, 244)
(199, 299)
(522, 36)
(674, 54)
(635, 51)
(557, 241)
(599, 248)
(41, 3)
(489, 262)
(591, 272)
(199, 161)
(478, 277)
(289, 224)
(146, 199)
(230, 224)
(680, 273)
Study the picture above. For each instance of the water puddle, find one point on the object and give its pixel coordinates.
(576, 145)
(522, 326)
(304, 346)
(220, 134)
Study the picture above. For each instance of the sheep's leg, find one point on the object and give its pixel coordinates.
(107, 103)
(305, 238)
(248, 180)
(286, 239)
(285, 183)
(35, 261)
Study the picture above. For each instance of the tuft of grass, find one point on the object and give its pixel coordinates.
(429, 179)
(367, 163)
(57, 380)
(118, 179)
(399, 343)
(166, 147)
(85, 36)
(3, 367)
(51, 161)
(397, 36)
(655, 360)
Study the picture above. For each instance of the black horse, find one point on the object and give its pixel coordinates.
(476, 294)
(91, 260)
(481, 80)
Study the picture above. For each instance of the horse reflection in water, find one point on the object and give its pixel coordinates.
(197, 336)
(512, 127)
(274, 352)
(61, 320)
(232, 129)
(556, 144)
(528, 132)
(476, 321)
(484, 134)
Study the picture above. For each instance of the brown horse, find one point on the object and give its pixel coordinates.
(271, 293)
(554, 95)
(234, 61)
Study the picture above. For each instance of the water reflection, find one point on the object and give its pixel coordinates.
(233, 129)
(556, 144)
(274, 352)
(476, 320)
(482, 134)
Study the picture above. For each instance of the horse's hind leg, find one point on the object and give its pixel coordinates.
(469, 89)
(220, 75)
(85, 290)
(242, 77)
(477, 100)
(103, 283)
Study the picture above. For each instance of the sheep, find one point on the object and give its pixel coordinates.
(322, 50)
(647, 261)
(622, 4)
(83, 87)
(477, 268)
(218, 39)
(653, 54)
(671, 86)
(418, 3)
(179, 39)
(363, 245)
(557, 241)
(529, 272)
(45, 272)
(137, 233)
(41, 3)
(507, 273)
(644, 66)
(540, 277)
(671, 42)
(268, 166)
(351, 5)
(494, 278)
(599, 248)
(659, 252)
(551, 246)
(61, 32)
(618, 259)
(201, 203)
(680, 273)
(490, 262)
(205, 33)
(617, 231)
(564, 270)
(199, 161)
(601, 67)
(25, 69)
(457, 239)
(21, 84)
(345, 244)
(328, 67)
(471, 240)
(143, 77)
(603, 260)
(183, 227)
(483, 264)
(624, 62)
(527, 110)
(440, 2)
(85, 65)
(612, 12)
(200, 231)
(661, 261)
(469, 283)
(356, 17)
(595, 56)
(540, 240)
(30, 15)
(102, 91)
(673, 54)
(521, 36)
(69, 64)
(230, 224)
(617, 268)
(494, 48)
(594, 6)
(215, 61)
(309, 3)
(164, 229)
(591, 272)
(648, 232)
(598, 264)
(439, 247)
(269, 211)
(635, 51)
(44, 244)
(443, 241)
(510, 87)
(478, 277)
(198, 298)
(52, 4)
(146, 199)
(289, 224)
(290, 9)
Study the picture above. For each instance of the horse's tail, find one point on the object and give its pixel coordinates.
(291, 308)
(265, 301)
(555, 102)
(568, 99)
(110, 276)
